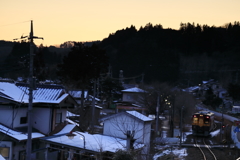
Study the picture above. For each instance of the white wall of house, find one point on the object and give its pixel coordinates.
(64, 113)
(41, 119)
(6, 115)
(118, 126)
(147, 132)
(18, 114)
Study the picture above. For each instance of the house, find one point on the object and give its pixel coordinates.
(132, 95)
(121, 124)
(131, 100)
(50, 104)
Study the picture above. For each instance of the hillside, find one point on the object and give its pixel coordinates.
(185, 56)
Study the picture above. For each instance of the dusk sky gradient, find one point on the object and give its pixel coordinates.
(58, 21)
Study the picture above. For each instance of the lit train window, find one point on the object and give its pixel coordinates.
(195, 120)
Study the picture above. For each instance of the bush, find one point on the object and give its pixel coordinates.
(122, 155)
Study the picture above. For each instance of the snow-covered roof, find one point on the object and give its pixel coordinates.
(191, 89)
(95, 142)
(130, 113)
(42, 94)
(77, 93)
(139, 115)
(91, 98)
(19, 135)
(1, 157)
(72, 122)
(66, 129)
(70, 114)
(135, 89)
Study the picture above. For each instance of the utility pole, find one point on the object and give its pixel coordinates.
(221, 129)
(29, 140)
(172, 121)
(181, 126)
(157, 115)
(93, 105)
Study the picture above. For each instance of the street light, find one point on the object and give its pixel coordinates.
(71, 136)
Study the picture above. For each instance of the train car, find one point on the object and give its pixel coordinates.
(202, 123)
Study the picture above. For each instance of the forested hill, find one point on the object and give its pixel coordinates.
(194, 52)
(185, 56)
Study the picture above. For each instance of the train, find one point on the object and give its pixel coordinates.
(202, 123)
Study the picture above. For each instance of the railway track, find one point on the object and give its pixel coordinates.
(205, 149)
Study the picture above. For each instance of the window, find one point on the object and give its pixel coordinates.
(58, 118)
(195, 120)
(4, 151)
(23, 120)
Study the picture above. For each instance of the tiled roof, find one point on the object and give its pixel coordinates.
(43, 94)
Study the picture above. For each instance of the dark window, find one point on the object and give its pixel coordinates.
(23, 120)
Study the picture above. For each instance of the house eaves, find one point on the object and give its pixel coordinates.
(19, 136)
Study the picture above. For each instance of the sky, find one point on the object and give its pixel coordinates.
(58, 21)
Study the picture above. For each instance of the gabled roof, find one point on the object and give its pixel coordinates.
(43, 94)
(139, 115)
(20, 136)
(135, 89)
(133, 114)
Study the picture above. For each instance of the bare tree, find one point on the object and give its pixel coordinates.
(171, 99)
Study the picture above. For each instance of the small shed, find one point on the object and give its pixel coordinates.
(120, 124)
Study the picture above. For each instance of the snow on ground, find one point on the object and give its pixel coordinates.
(172, 150)
(180, 153)
(215, 133)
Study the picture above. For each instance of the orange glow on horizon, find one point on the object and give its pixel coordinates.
(77, 20)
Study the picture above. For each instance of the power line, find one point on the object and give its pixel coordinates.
(14, 23)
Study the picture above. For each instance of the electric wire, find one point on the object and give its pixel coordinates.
(14, 23)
